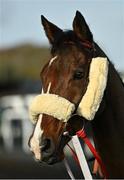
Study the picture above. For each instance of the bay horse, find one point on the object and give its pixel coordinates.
(66, 75)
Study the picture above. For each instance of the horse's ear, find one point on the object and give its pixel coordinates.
(81, 28)
(51, 30)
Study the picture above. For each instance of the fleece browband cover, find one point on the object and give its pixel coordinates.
(62, 109)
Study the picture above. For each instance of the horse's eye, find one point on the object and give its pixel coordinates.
(78, 75)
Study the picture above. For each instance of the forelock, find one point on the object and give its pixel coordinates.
(64, 39)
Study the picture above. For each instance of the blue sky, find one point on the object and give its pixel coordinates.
(20, 22)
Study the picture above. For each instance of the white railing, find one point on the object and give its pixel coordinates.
(15, 108)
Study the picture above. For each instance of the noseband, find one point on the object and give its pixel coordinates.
(62, 109)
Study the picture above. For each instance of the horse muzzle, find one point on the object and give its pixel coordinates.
(52, 153)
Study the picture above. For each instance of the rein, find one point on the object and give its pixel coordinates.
(81, 134)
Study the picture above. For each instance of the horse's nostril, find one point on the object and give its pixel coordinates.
(46, 143)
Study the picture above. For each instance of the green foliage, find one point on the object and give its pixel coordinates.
(22, 62)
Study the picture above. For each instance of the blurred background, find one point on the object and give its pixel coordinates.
(24, 50)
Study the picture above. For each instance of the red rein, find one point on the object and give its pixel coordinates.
(82, 135)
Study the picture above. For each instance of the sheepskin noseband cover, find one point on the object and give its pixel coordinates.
(62, 109)
(52, 105)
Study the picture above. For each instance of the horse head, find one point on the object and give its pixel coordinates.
(65, 80)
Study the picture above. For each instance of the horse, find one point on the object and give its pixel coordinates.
(65, 77)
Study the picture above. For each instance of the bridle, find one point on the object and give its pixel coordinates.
(81, 133)
(70, 107)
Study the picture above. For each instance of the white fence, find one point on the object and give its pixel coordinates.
(14, 121)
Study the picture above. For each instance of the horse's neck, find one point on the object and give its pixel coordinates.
(115, 94)
(108, 127)
(111, 111)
